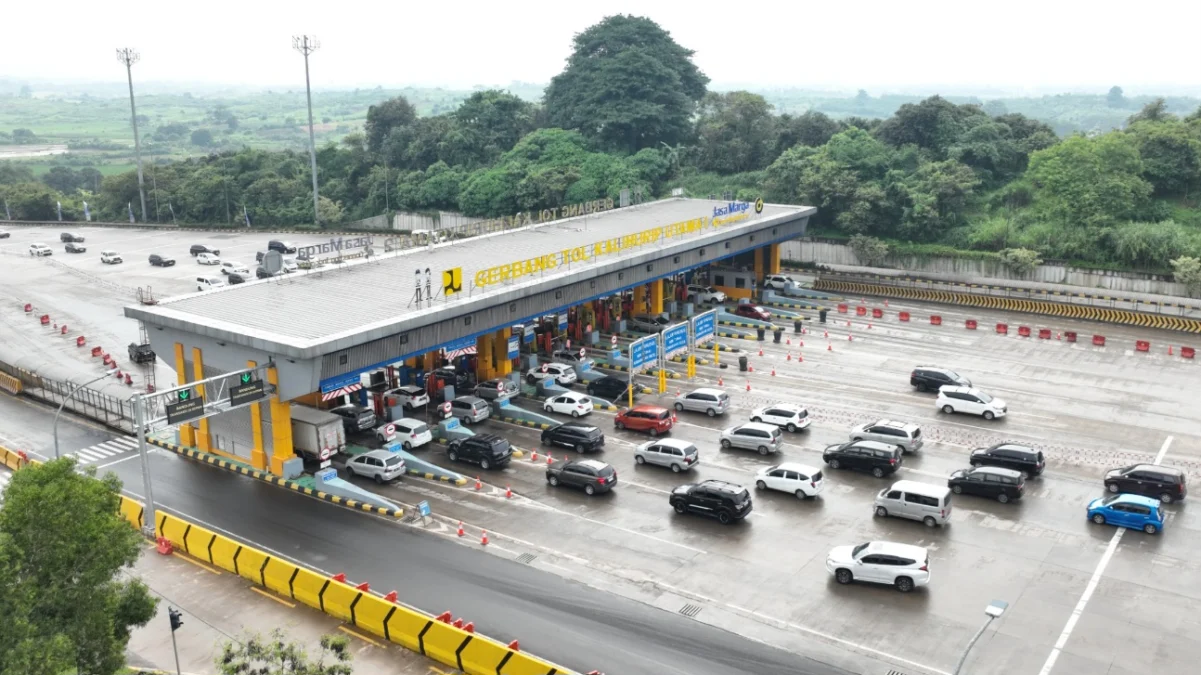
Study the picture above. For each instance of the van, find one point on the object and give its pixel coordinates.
(470, 409)
(911, 499)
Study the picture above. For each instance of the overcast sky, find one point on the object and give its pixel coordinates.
(874, 44)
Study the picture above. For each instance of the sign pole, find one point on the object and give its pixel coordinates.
(149, 522)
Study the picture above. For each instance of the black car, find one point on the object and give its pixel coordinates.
(197, 249)
(879, 459)
(68, 237)
(582, 437)
(487, 450)
(609, 388)
(459, 379)
(355, 418)
(72, 247)
(1002, 485)
(157, 260)
(589, 474)
(261, 273)
(1164, 483)
(1021, 458)
(930, 378)
(234, 278)
(725, 501)
(281, 246)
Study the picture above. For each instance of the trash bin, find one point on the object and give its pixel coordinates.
(821, 315)
(762, 334)
(796, 326)
(742, 363)
(777, 334)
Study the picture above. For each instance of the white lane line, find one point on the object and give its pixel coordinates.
(646, 487)
(935, 474)
(89, 456)
(1092, 584)
(1026, 414)
(123, 459)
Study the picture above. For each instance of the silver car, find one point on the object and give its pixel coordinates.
(905, 434)
(709, 401)
(470, 409)
(495, 390)
(647, 323)
(764, 438)
(672, 453)
(380, 465)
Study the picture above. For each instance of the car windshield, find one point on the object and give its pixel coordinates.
(661, 320)
(1110, 499)
(858, 549)
(984, 397)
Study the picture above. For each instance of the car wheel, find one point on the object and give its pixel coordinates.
(711, 412)
(619, 426)
(763, 450)
(575, 413)
(723, 517)
(760, 485)
(589, 490)
(452, 455)
(800, 494)
(654, 433)
(675, 468)
(725, 444)
(988, 415)
(904, 584)
(835, 464)
(929, 521)
(1113, 487)
(948, 409)
(974, 463)
(844, 576)
(638, 459)
(791, 428)
(1025, 475)
(757, 419)
(1003, 498)
(920, 387)
(1165, 498)
(546, 408)
(485, 464)
(881, 512)
(350, 470)
(379, 479)
(680, 508)
(553, 480)
(878, 472)
(1098, 519)
(531, 379)
(408, 446)
(680, 407)
(1150, 528)
(466, 421)
(579, 448)
(957, 489)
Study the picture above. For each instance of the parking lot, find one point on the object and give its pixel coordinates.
(1084, 598)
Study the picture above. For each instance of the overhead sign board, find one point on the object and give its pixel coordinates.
(675, 339)
(644, 353)
(514, 347)
(704, 327)
(563, 321)
(247, 390)
(185, 407)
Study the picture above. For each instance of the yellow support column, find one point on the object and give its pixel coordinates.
(281, 426)
(759, 266)
(203, 440)
(187, 433)
(258, 458)
(483, 349)
(773, 258)
(656, 288)
(500, 348)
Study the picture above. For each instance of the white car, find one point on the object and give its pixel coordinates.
(207, 259)
(573, 356)
(409, 396)
(705, 295)
(289, 265)
(409, 432)
(790, 416)
(779, 281)
(762, 438)
(881, 562)
(970, 400)
(801, 480)
(231, 267)
(561, 373)
(39, 250)
(110, 258)
(209, 283)
(380, 465)
(571, 403)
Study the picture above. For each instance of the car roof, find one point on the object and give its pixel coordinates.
(672, 443)
(707, 390)
(1137, 499)
(894, 423)
(591, 463)
(1010, 445)
(919, 487)
(468, 399)
(874, 445)
(646, 407)
(893, 548)
(1158, 468)
(784, 406)
(486, 438)
(577, 395)
(798, 467)
(960, 389)
(761, 426)
(938, 368)
(379, 454)
(408, 387)
(578, 425)
(997, 471)
(408, 422)
(723, 486)
(349, 406)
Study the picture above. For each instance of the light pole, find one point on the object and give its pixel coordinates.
(130, 57)
(68, 398)
(995, 609)
(306, 45)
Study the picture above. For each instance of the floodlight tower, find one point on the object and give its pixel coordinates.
(129, 57)
(307, 44)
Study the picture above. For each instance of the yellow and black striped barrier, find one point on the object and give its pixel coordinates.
(1102, 314)
(525, 423)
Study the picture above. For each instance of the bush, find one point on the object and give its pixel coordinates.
(869, 250)
(1187, 270)
(1021, 260)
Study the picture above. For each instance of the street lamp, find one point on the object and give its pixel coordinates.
(68, 398)
(995, 609)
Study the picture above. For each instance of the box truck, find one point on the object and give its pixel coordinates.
(316, 434)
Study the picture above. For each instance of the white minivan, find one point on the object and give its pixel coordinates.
(915, 500)
(209, 283)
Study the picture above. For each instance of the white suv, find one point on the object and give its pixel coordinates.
(110, 258)
(39, 250)
(881, 562)
(561, 373)
(801, 480)
(905, 434)
(791, 417)
(970, 400)
(706, 295)
(778, 281)
(207, 258)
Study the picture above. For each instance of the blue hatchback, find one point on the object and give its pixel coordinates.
(1133, 511)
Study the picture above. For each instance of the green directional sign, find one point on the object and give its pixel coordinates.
(186, 407)
(245, 378)
(185, 394)
(248, 391)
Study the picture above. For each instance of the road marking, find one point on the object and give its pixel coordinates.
(123, 459)
(934, 474)
(646, 487)
(204, 566)
(272, 596)
(355, 633)
(1163, 449)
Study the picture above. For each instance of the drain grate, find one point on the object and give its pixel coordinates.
(690, 610)
(895, 672)
(526, 558)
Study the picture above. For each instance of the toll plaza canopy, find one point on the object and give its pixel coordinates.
(343, 318)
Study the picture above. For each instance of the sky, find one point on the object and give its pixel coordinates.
(1015, 46)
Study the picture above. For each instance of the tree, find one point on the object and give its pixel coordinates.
(934, 198)
(1187, 270)
(329, 212)
(202, 138)
(271, 655)
(490, 122)
(382, 118)
(12, 173)
(24, 137)
(814, 129)
(995, 107)
(1115, 98)
(32, 201)
(1089, 182)
(628, 85)
(933, 125)
(1171, 156)
(869, 250)
(735, 132)
(61, 178)
(1155, 111)
(64, 545)
(1021, 260)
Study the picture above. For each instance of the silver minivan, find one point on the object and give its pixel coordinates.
(674, 454)
(764, 438)
(470, 409)
(915, 500)
(709, 401)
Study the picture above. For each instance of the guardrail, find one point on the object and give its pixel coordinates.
(109, 410)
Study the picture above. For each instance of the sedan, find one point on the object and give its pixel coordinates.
(72, 247)
(1133, 511)
(571, 403)
(753, 312)
(231, 267)
(592, 475)
(1002, 485)
(791, 417)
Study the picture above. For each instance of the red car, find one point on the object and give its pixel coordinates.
(649, 418)
(753, 312)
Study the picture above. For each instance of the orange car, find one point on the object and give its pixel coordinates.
(649, 418)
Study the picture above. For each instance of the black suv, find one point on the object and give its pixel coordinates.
(608, 387)
(460, 379)
(72, 247)
(281, 246)
(582, 437)
(725, 501)
(234, 278)
(1150, 480)
(157, 260)
(487, 450)
(589, 474)
(68, 237)
(261, 273)
(1002, 485)
(930, 378)
(355, 418)
(1016, 456)
(197, 249)
(880, 459)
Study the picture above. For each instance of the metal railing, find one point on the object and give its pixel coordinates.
(96, 405)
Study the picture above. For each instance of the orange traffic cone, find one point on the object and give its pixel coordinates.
(484, 538)
(773, 369)
(478, 485)
(869, 325)
(750, 368)
(461, 533)
(787, 341)
(788, 356)
(761, 351)
(826, 334)
(848, 324)
(748, 385)
(800, 359)
(850, 338)
(508, 492)
(885, 302)
(549, 459)
(534, 456)
(800, 343)
(829, 347)
(1169, 350)
(804, 330)
(719, 382)
(1058, 336)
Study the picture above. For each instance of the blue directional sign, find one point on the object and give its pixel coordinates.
(644, 352)
(675, 339)
(704, 327)
(326, 475)
(514, 347)
(423, 508)
(563, 321)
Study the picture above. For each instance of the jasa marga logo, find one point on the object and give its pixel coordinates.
(730, 209)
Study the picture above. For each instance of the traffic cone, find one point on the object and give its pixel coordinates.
(869, 325)
(678, 393)
(1058, 336)
(508, 492)
(800, 359)
(549, 459)
(484, 538)
(1169, 350)
(748, 385)
(885, 302)
(787, 341)
(750, 368)
(534, 456)
(800, 343)
(848, 324)
(719, 382)
(829, 347)
(773, 368)
(461, 532)
(761, 351)
(850, 338)
(478, 485)
(804, 330)
(788, 356)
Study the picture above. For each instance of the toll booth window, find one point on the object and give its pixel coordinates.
(719, 280)
(739, 282)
